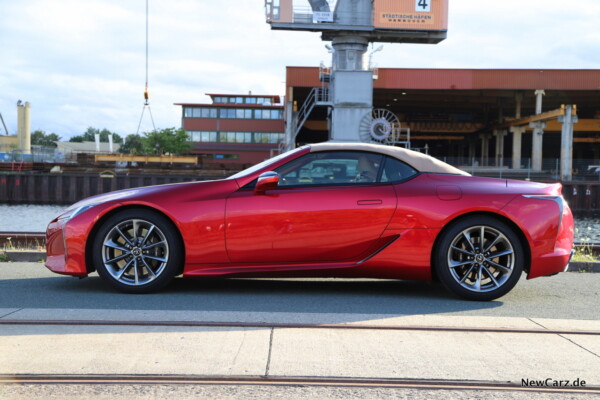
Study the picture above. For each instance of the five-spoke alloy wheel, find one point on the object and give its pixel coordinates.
(137, 251)
(479, 258)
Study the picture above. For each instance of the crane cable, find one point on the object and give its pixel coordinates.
(146, 94)
(3, 124)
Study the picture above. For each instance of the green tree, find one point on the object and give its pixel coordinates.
(169, 140)
(41, 138)
(90, 136)
(134, 144)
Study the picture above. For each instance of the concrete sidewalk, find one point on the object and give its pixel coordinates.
(299, 352)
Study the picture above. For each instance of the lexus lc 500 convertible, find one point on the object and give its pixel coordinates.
(323, 210)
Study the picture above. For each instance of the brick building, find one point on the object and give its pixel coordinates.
(235, 130)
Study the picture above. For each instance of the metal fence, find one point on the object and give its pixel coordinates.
(582, 169)
(39, 154)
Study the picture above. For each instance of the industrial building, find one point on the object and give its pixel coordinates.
(536, 120)
(476, 119)
(469, 117)
(234, 130)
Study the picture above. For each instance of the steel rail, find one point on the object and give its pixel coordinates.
(228, 324)
(432, 384)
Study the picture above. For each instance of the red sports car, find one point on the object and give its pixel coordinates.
(325, 210)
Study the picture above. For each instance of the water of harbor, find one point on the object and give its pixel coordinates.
(35, 218)
(27, 218)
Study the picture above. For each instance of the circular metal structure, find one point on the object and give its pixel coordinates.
(135, 252)
(481, 259)
(380, 126)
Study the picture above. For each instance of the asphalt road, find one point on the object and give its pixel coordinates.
(565, 296)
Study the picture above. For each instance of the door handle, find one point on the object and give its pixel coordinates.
(368, 202)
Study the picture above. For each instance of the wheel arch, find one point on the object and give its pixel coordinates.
(522, 238)
(89, 265)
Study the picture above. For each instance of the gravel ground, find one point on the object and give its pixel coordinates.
(587, 229)
(173, 392)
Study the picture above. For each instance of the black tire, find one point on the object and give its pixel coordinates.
(137, 251)
(474, 271)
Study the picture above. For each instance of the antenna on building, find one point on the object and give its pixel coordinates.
(146, 94)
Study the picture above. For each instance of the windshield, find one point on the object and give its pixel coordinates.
(263, 164)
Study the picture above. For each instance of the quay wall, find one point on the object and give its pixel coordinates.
(68, 188)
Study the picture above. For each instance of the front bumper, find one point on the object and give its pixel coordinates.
(64, 254)
(66, 240)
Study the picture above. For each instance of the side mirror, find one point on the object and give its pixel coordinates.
(266, 181)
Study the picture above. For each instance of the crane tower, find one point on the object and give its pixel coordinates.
(351, 25)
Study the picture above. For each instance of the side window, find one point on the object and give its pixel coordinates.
(331, 168)
(395, 170)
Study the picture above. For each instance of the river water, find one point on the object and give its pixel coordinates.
(35, 218)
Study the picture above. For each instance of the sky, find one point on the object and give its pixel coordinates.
(82, 63)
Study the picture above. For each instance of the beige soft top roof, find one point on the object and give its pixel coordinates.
(419, 161)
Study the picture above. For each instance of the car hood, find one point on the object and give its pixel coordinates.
(185, 190)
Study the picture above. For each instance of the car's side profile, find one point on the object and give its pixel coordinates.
(331, 209)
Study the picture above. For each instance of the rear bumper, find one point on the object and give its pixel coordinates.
(550, 238)
(550, 264)
(569, 262)
(553, 256)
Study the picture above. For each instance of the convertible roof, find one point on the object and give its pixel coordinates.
(419, 161)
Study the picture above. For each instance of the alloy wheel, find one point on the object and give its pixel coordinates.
(481, 259)
(135, 252)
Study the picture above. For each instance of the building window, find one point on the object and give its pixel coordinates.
(261, 137)
(250, 100)
(226, 156)
(234, 137)
(231, 113)
(226, 113)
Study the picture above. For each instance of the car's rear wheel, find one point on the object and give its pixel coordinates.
(137, 251)
(479, 258)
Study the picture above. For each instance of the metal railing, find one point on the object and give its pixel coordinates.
(582, 170)
(317, 96)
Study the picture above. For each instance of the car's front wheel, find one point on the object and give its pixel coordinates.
(137, 251)
(479, 258)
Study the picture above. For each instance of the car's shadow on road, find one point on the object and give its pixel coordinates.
(243, 295)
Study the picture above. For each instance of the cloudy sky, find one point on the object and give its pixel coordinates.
(82, 63)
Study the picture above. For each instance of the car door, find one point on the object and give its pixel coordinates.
(328, 206)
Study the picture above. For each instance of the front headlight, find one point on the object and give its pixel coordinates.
(74, 212)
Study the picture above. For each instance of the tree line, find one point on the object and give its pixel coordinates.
(162, 141)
